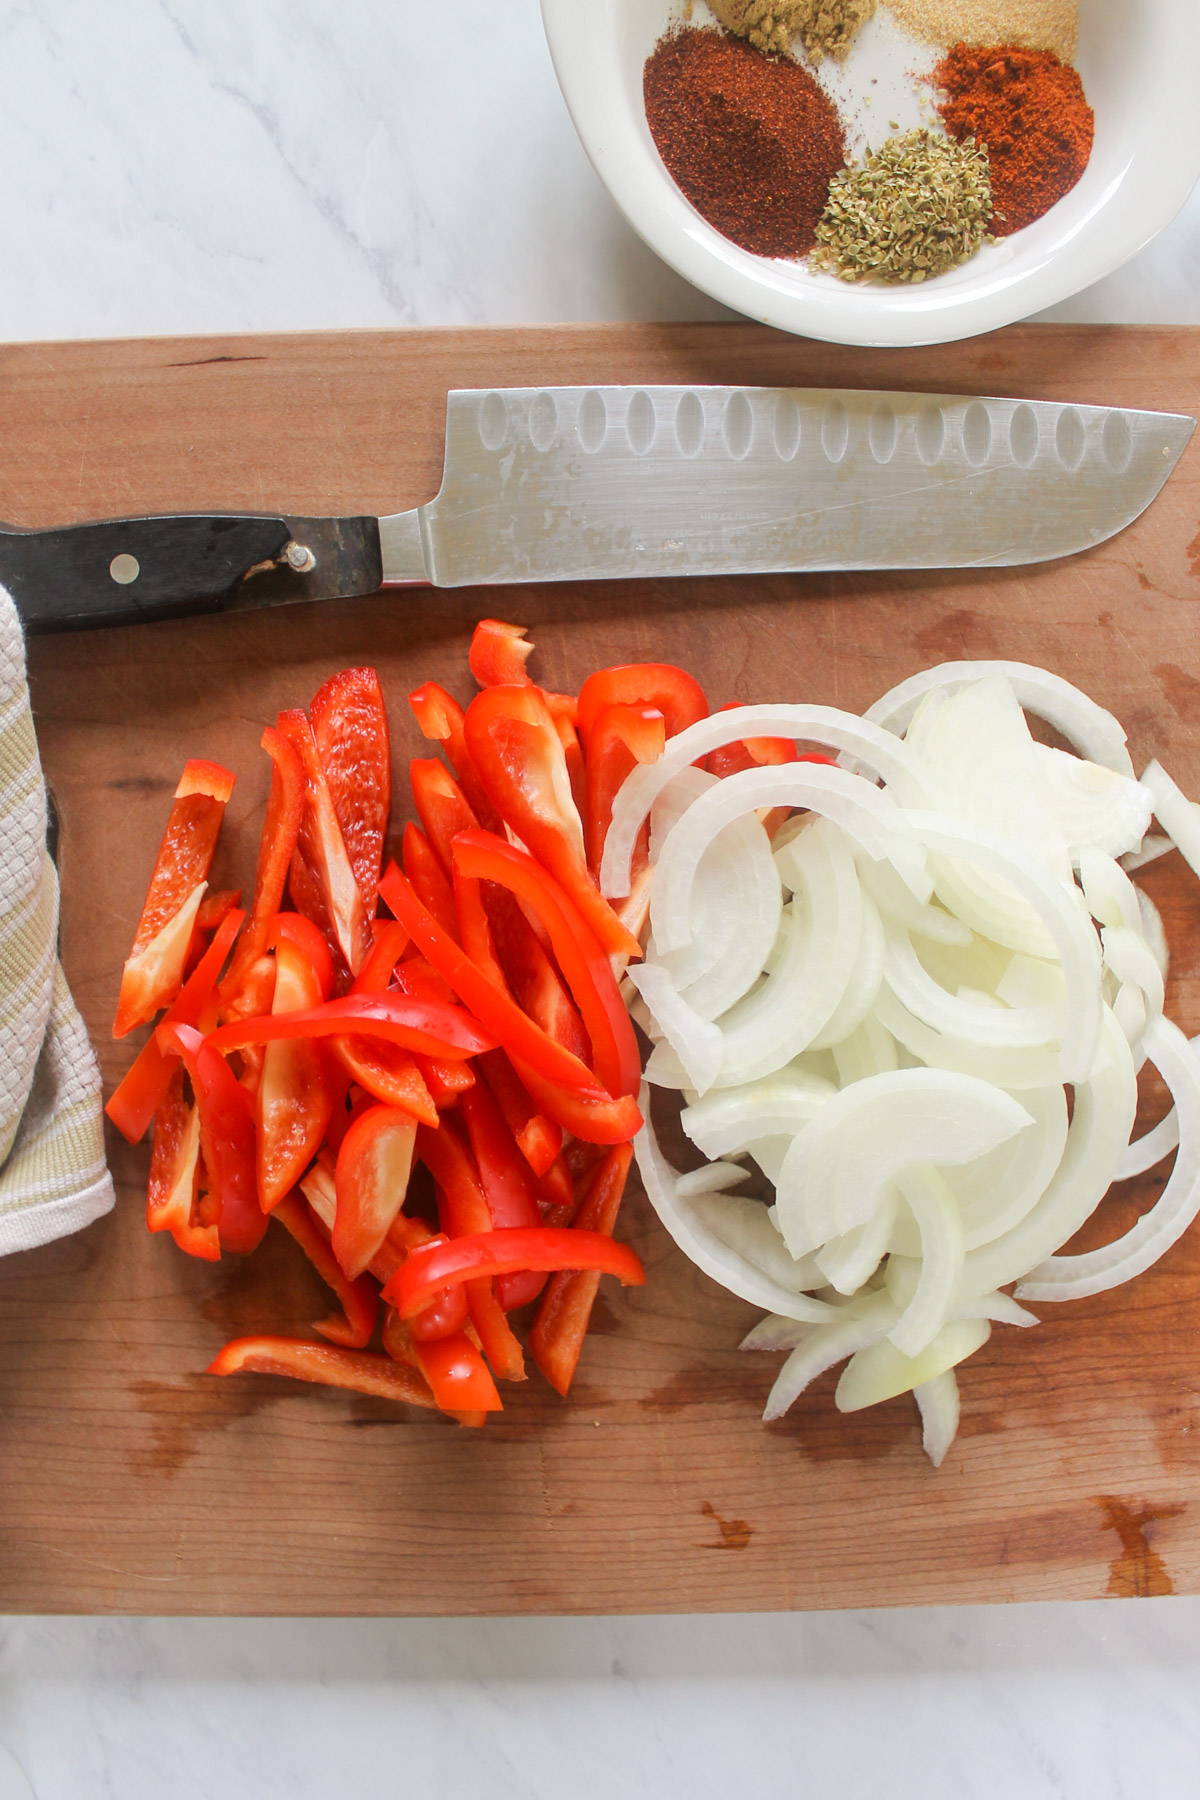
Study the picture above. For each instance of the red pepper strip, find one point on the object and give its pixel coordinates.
(530, 976)
(174, 1167)
(421, 981)
(389, 1074)
(254, 1001)
(673, 692)
(214, 910)
(444, 1261)
(426, 1025)
(514, 744)
(442, 720)
(141, 1092)
(508, 1185)
(564, 1073)
(462, 1205)
(557, 1195)
(321, 880)
(538, 1138)
(361, 1371)
(601, 1120)
(350, 726)
(557, 1334)
(226, 1136)
(445, 1080)
(497, 1339)
(441, 805)
(458, 1376)
(498, 654)
(276, 846)
(359, 1299)
(583, 962)
(475, 931)
(154, 969)
(370, 1182)
(391, 941)
(429, 880)
(622, 737)
(295, 1096)
(319, 1188)
(303, 933)
(564, 710)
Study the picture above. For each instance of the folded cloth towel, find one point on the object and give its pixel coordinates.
(53, 1177)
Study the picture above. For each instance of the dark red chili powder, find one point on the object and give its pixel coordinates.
(752, 140)
(1031, 112)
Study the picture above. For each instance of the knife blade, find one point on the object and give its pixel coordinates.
(571, 484)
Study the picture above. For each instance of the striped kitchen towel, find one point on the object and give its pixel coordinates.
(53, 1177)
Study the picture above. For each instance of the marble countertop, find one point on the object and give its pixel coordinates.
(182, 166)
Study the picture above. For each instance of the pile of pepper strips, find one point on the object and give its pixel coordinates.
(310, 1056)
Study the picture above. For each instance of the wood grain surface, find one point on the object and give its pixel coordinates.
(132, 1481)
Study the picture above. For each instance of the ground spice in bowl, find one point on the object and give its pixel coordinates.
(1031, 24)
(911, 210)
(824, 27)
(753, 142)
(1031, 112)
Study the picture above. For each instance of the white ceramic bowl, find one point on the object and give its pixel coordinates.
(1139, 61)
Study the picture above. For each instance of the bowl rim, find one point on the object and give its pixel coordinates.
(582, 38)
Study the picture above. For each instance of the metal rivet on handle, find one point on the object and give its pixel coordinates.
(124, 568)
(299, 557)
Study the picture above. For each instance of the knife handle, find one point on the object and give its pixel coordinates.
(126, 571)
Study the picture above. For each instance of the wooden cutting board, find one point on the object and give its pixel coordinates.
(132, 1481)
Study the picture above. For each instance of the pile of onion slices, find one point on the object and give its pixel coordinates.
(882, 1007)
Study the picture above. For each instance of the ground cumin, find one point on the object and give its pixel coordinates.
(824, 27)
(752, 142)
(1029, 111)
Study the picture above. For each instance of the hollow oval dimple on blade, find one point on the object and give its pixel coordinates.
(788, 429)
(977, 434)
(1023, 435)
(1117, 442)
(931, 434)
(882, 433)
(689, 424)
(543, 421)
(835, 431)
(493, 421)
(1070, 438)
(593, 421)
(739, 426)
(640, 423)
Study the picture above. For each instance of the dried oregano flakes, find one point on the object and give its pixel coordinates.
(911, 210)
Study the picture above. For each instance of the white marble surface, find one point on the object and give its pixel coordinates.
(259, 165)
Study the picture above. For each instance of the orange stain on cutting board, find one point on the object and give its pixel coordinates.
(735, 1533)
(1193, 555)
(1137, 1571)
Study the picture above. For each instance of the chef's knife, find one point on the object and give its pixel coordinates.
(574, 484)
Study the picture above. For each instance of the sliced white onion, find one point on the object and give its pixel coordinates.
(1178, 816)
(896, 900)
(1154, 931)
(874, 749)
(689, 1224)
(830, 1344)
(849, 1261)
(1095, 1271)
(1094, 733)
(879, 1371)
(1095, 806)
(939, 1408)
(1062, 912)
(836, 1168)
(1131, 960)
(863, 985)
(866, 814)
(1009, 1069)
(1153, 1147)
(1152, 848)
(1101, 1122)
(935, 1209)
(713, 1178)
(730, 1120)
(699, 1045)
(991, 1026)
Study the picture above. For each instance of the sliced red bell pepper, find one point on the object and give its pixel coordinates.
(557, 1189)
(362, 1371)
(526, 1043)
(538, 1138)
(442, 721)
(371, 1181)
(444, 1261)
(749, 753)
(136, 1100)
(389, 1073)
(352, 1327)
(498, 654)
(295, 1095)
(426, 1025)
(391, 941)
(253, 1000)
(462, 1205)
(441, 805)
(215, 908)
(445, 1080)
(304, 934)
(585, 966)
(172, 1193)
(475, 929)
(557, 1334)
(319, 1188)
(671, 691)
(564, 710)
(276, 846)
(226, 1136)
(514, 744)
(594, 1116)
(429, 880)
(457, 1375)
(350, 726)
(321, 880)
(622, 737)
(497, 1339)
(508, 1183)
(153, 972)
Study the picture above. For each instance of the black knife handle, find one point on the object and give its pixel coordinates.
(122, 571)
